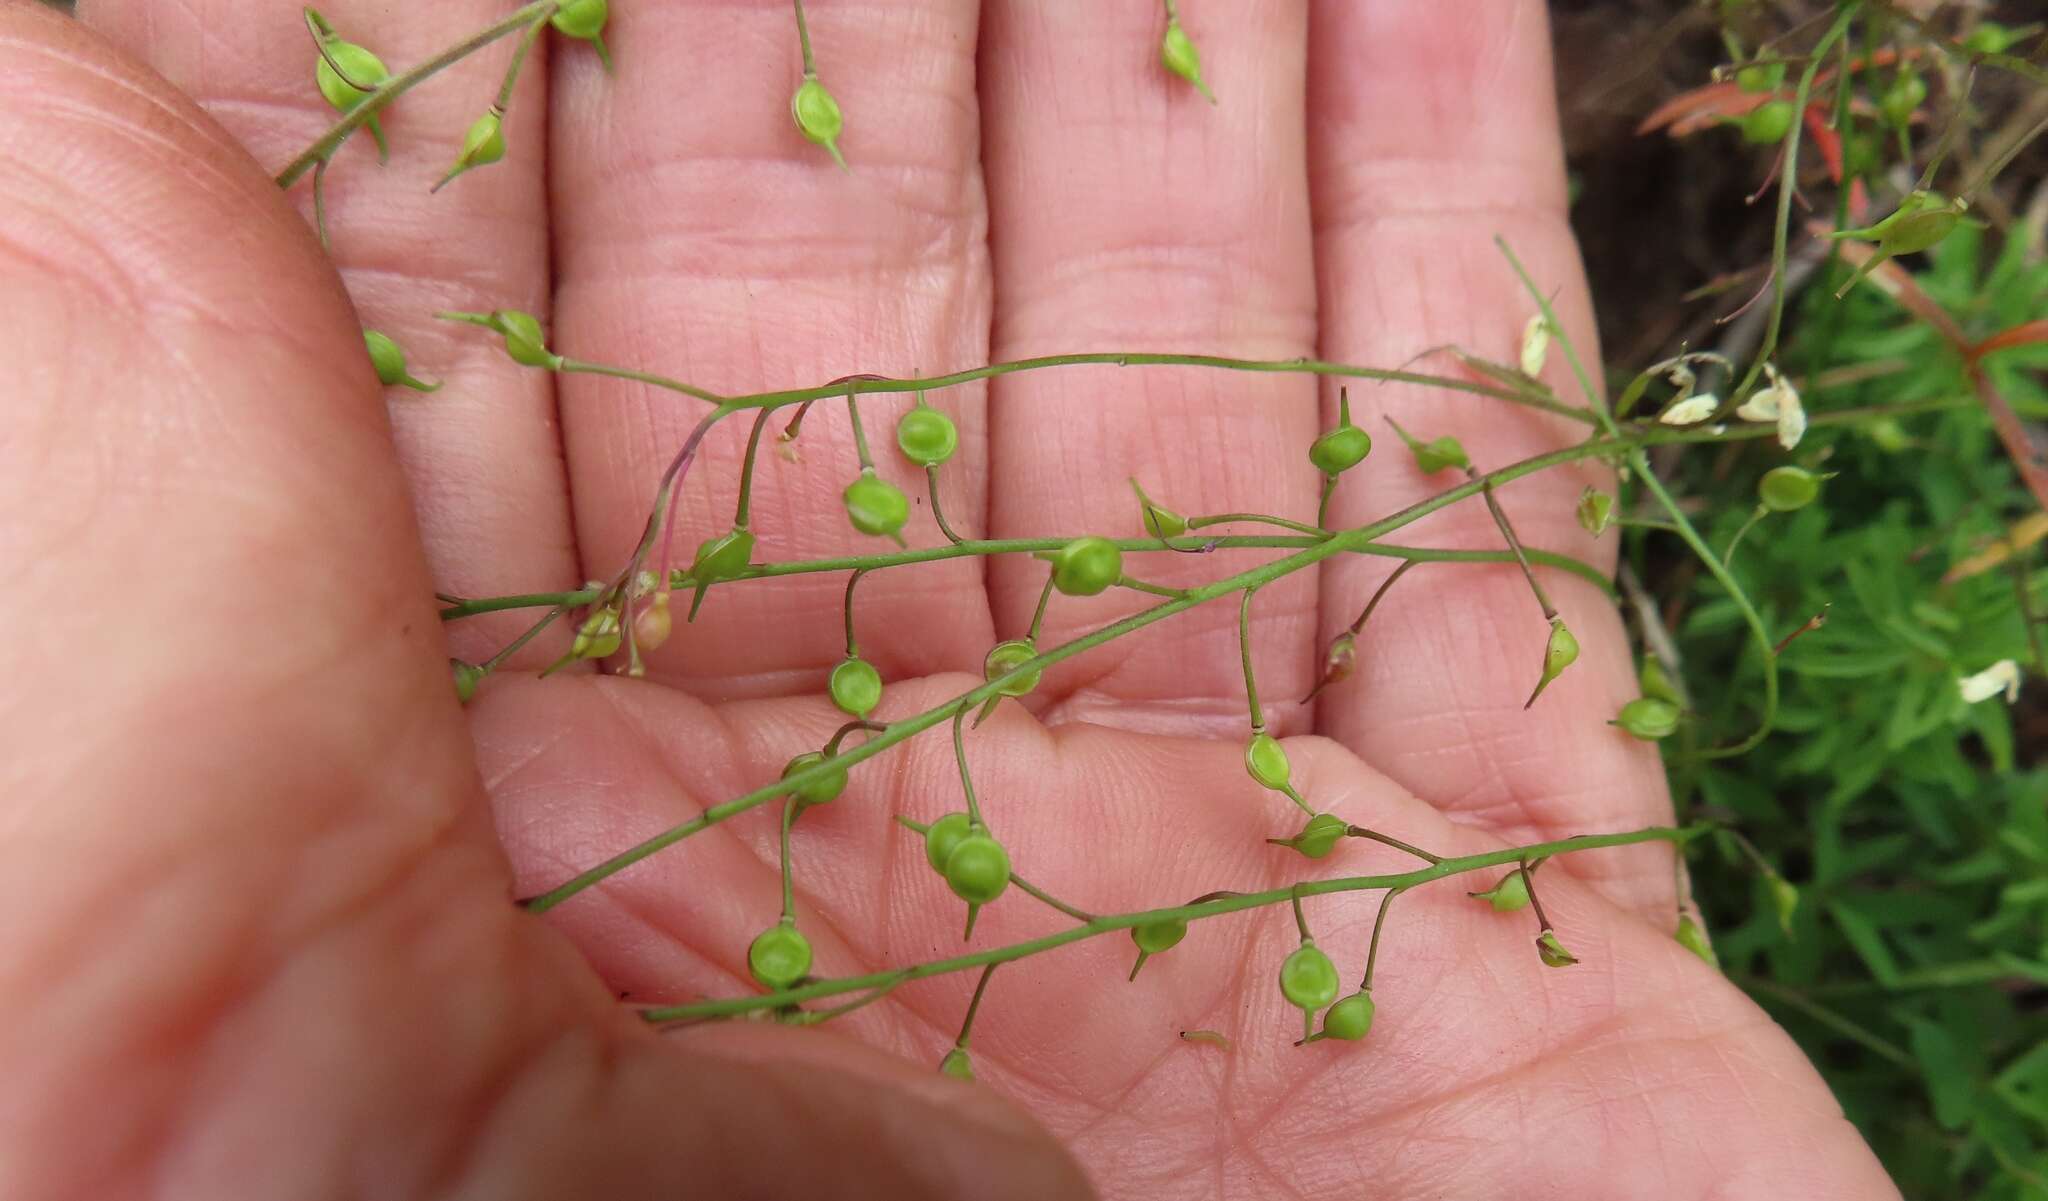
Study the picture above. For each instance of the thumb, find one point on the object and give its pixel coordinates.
(259, 935)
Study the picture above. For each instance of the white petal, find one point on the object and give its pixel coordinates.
(1535, 345)
(1762, 405)
(1791, 417)
(2002, 676)
(1692, 410)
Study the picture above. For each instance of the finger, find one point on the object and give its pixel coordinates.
(1127, 214)
(231, 647)
(1430, 133)
(700, 235)
(481, 456)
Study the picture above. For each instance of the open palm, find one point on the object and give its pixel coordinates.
(260, 862)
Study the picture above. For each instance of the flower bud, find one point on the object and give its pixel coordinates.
(1784, 489)
(466, 676)
(1760, 77)
(876, 506)
(1266, 760)
(856, 686)
(1351, 1018)
(1989, 37)
(1552, 952)
(1656, 682)
(1784, 899)
(1160, 521)
(1177, 51)
(1768, 122)
(1509, 894)
(1596, 511)
(1694, 939)
(389, 360)
(1903, 98)
(1535, 345)
(1648, 718)
(1559, 652)
(1691, 410)
(2002, 676)
(957, 1064)
(817, 116)
(483, 145)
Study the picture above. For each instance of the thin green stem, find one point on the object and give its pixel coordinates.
(569, 366)
(1197, 911)
(1365, 614)
(1372, 957)
(1038, 614)
(1535, 902)
(788, 877)
(391, 89)
(740, 511)
(1073, 911)
(966, 777)
(1137, 585)
(1833, 1021)
(1728, 556)
(525, 47)
(852, 648)
(860, 435)
(1507, 533)
(1300, 922)
(1299, 527)
(512, 648)
(931, 475)
(1288, 791)
(803, 37)
(1244, 645)
(1389, 840)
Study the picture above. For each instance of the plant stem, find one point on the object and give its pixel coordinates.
(740, 511)
(1372, 957)
(803, 37)
(1108, 923)
(1244, 643)
(966, 778)
(931, 475)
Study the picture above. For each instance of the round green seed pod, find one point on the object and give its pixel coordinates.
(1307, 978)
(1003, 658)
(723, 556)
(1903, 98)
(957, 1064)
(1694, 939)
(856, 686)
(779, 956)
(598, 636)
(1439, 453)
(876, 506)
(1768, 122)
(386, 357)
(1508, 895)
(818, 792)
(1178, 54)
(361, 66)
(1154, 937)
(1320, 835)
(1648, 718)
(1351, 1018)
(1989, 37)
(524, 340)
(1340, 449)
(927, 437)
(1760, 77)
(1784, 489)
(942, 836)
(1266, 760)
(1087, 566)
(466, 676)
(817, 116)
(581, 18)
(978, 870)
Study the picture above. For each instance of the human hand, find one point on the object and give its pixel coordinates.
(264, 941)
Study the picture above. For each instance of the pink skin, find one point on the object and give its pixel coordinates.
(257, 860)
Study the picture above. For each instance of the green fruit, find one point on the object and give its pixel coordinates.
(1320, 835)
(1087, 566)
(1552, 952)
(856, 686)
(1655, 681)
(1307, 978)
(1266, 760)
(978, 870)
(820, 791)
(1784, 489)
(524, 340)
(927, 436)
(1177, 52)
(598, 636)
(942, 836)
(1990, 38)
(957, 1064)
(1596, 511)
(1438, 453)
(1560, 651)
(581, 18)
(385, 356)
(1340, 449)
(1903, 98)
(1154, 937)
(1160, 521)
(1768, 122)
(1003, 658)
(1923, 219)
(1351, 1018)
(1648, 718)
(1760, 77)
(1508, 895)
(483, 145)
(779, 956)
(360, 65)
(876, 506)
(466, 676)
(722, 557)
(1694, 939)
(817, 116)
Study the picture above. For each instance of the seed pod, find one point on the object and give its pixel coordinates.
(978, 869)
(1160, 521)
(363, 68)
(779, 956)
(1989, 37)
(1266, 760)
(1318, 837)
(1344, 445)
(1435, 455)
(466, 676)
(524, 341)
(856, 686)
(652, 624)
(1648, 718)
(389, 360)
(722, 557)
(820, 791)
(1087, 566)
(942, 836)
(1784, 489)
(876, 506)
(1307, 978)
(1903, 98)
(1760, 77)
(483, 145)
(1351, 1018)
(1338, 663)
(1784, 899)
(1656, 682)
(957, 1064)
(1694, 939)
(1768, 122)
(1559, 652)
(1552, 952)
(1596, 511)
(1154, 937)
(584, 20)
(1004, 658)
(927, 437)
(817, 116)
(598, 636)
(1177, 51)
(1507, 895)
